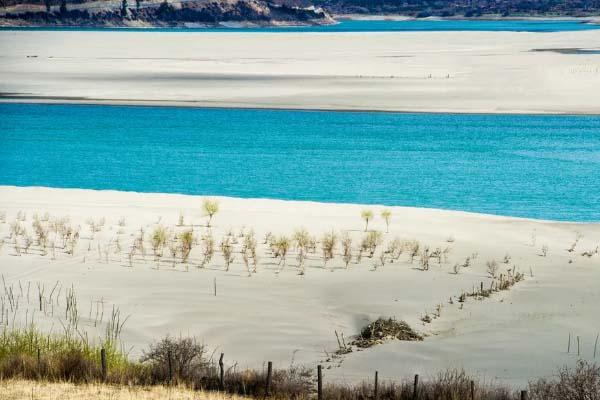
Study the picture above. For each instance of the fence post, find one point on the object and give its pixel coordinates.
(472, 390)
(103, 363)
(39, 363)
(524, 395)
(269, 375)
(170, 365)
(376, 387)
(319, 383)
(221, 373)
(416, 388)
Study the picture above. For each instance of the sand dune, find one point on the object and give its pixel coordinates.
(512, 336)
(412, 71)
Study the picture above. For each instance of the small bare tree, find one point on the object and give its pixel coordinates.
(210, 208)
(186, 239)
(227, 250)
(208, 249)
(328, 243)
(72, 241)
(173, 249)
(366, 215)
(27, 241)
(158, 240)
(578, 237)
(370, 242)
(301, 240)
(445, 254)
(253, 252)
(17, 245)
(346, 248)
(281, 246)
(424, 259)
(456, 268)
(492, 268)
(413, 248)
(387, 217)
(394, 249)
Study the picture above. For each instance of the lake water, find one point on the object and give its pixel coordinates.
(519, 165)
(418, 25)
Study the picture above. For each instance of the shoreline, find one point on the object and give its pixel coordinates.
(489, 17)
(336, 19)
(291, 202)
(257, 107)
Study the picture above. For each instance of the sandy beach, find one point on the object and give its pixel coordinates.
(276, 314)
(475, 72)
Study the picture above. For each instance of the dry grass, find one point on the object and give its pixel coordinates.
(14, 389)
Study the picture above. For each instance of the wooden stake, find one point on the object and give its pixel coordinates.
(416, 388)
(221, 373)
(319, 383)
(376, 387)
(269, 375)
(103, 364)
(39, 362)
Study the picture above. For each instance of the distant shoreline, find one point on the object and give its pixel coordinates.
(489, 17)
(7, 24)
(56, 100)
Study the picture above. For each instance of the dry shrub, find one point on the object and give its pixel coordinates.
(186, 356)
(73, 365)
(370, 242)
(385, 329)
(579, 383)
(19, 365)
(492, 268)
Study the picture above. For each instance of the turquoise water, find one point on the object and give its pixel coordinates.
(378, 26)
(519, 165)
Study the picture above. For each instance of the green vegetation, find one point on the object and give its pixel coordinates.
(210, 208)
(387, 217)
(366, 215)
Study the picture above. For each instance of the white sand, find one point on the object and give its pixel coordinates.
(412, 71)
(511, 337)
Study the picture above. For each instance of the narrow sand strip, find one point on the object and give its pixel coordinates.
(475, 72)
